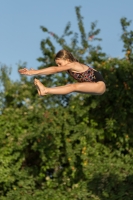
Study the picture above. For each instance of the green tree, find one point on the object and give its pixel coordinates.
(127, 38)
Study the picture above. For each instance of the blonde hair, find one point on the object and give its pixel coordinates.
(65, 55)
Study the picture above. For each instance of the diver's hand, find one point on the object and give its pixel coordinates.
(28, 72)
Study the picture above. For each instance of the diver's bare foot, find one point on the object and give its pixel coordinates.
(40, 87)
(38, 90)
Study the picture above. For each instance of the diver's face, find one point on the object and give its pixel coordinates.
(61, 62)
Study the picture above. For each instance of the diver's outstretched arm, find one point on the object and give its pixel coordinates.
(45, 71)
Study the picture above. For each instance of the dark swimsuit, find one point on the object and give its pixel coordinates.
(89, 75)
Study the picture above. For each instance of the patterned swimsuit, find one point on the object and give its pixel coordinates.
(89, 75)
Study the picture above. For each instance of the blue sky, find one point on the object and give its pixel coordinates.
(20, 21)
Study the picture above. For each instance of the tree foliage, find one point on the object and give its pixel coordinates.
(74, 146)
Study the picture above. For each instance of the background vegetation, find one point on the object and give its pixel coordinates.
(71, 147)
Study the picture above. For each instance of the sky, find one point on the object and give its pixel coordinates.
(20, 21)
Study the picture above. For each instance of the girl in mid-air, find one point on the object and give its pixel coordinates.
(89, 80)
